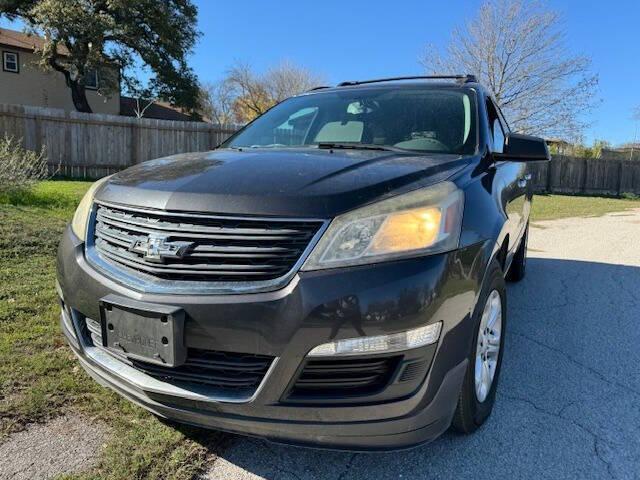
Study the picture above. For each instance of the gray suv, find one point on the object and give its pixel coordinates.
(332, 275)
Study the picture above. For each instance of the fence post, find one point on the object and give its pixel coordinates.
(38, 134)
(68, 141)
(210, 137)
(549, 166)
(135, 139)
(619, 177)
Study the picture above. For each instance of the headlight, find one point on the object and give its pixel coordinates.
(418, 337)
(80, 218)
(416, 223)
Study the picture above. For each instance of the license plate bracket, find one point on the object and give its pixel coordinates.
(152, 333)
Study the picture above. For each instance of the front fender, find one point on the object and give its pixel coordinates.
(484, 220)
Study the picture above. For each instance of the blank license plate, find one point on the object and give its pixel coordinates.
(148, 332)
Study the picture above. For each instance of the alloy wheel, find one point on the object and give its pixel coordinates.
(488, 345)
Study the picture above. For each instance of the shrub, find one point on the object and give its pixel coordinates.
(630, 196)
(20, 169)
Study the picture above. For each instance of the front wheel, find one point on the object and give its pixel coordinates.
(477, 395)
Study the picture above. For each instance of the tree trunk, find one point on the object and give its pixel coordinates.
(79, 97)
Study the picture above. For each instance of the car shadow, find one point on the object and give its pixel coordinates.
(570, 378)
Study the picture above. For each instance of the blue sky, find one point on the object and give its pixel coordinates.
(352, 39)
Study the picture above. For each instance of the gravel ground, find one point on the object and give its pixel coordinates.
(569, 399)
(68, 444)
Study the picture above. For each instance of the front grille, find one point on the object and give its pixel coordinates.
(210, 248)
(227, 372)
(343, 377)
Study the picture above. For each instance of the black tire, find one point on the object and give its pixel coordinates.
(470, 413)
(518, 266)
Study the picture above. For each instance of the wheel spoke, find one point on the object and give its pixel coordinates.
(495, 313)
(488, 345)
(486, 379)
(478, 371)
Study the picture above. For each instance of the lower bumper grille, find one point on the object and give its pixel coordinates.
(241, 373)
(344, 377)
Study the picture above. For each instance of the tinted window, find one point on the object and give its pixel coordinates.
(498, 137)
(422, 119)
(497, 130)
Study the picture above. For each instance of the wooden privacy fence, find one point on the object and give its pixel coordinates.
(90, 145)
(588, 176)
(94, 145)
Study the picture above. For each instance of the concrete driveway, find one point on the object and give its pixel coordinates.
(569, 399)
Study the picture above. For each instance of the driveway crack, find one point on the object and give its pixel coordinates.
(347, 467)
(597, 440)
(591, 370)
(279, 460)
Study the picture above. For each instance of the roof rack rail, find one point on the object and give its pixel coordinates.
(320, 87)
(460, 78)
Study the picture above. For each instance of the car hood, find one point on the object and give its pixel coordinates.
(305, 183)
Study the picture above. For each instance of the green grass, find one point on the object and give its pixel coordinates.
(39, 377)
(61, 195)
(550, 207)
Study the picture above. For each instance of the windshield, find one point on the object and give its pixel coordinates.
(438, 120)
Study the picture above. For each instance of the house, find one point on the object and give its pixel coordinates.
(558, 146)
(628, 151)
(22, 82)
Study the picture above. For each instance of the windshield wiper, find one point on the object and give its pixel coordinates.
(360, 146)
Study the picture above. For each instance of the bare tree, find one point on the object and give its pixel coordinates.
(143, 95)
(636, 117)
(287, 79)
(517, 49)
(142, 104)
(217, 102)
(251, 97)
(255, 93)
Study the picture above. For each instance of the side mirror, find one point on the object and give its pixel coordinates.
(524, 148)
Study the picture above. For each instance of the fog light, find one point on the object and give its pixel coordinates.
(418, 337)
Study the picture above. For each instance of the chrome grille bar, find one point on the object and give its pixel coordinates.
(199, 249)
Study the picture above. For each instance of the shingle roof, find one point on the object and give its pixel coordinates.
(24, 41)
(158, 110)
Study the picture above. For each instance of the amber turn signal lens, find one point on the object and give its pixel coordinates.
(408, 230)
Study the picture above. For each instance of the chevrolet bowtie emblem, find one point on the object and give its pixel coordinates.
(156, 248)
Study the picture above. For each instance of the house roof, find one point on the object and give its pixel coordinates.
(556, 141)
(629, 146)
(24, 41)
(158, 110)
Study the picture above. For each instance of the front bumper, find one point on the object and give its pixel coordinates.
(288, 323)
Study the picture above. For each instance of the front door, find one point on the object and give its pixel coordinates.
(511, 180)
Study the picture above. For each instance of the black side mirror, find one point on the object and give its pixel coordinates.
(524, 148)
